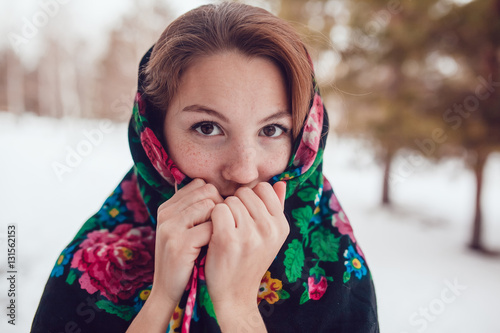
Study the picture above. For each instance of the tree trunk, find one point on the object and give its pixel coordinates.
(386, 200)
(476, 241)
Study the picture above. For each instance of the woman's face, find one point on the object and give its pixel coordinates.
(230, 122)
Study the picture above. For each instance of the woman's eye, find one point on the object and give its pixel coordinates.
(208, 129)
(272, 131)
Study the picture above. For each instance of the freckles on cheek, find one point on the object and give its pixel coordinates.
(284, 161)
(277, 163)
(193, 162)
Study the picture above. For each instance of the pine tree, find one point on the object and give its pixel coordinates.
(420, 77)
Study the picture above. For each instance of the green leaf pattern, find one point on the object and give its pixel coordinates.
(206, 302)
(294, 260)
(308, 194)
(125, 312)
(325, 245)
(305, 295)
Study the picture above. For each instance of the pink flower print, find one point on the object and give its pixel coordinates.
(201, 269)
(140, 104)
(159, 158)
(308, 148)
(133, 200)
(341, 222)
(116, 263)
(334, 203)
(312, 129)
(192, 286)
(326, 184)
(175, 172)
(156, 154)
(316, 290)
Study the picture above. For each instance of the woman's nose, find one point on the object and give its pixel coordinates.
(242, 164)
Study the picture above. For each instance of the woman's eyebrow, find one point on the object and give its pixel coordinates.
(205, 109)
(277, 116)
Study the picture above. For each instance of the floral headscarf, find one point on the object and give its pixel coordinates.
(318, 282)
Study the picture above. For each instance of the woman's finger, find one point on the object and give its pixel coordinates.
(197, 213)
(239, 211)
(271, 198)
(222, 219)
(260, 201)
(194, 192)
(200, 235)
(207, 191)
(193, 185)
(280, 190)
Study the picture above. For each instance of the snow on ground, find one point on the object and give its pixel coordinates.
(426, 279)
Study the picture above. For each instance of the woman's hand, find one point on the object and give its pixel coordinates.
(183, 227)
(249, 229)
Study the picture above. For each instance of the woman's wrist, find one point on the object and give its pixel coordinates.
(154, 315)
(239, 317)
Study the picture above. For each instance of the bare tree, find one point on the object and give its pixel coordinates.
(15, 83)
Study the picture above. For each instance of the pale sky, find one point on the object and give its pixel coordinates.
(23, 23)
(90, 19)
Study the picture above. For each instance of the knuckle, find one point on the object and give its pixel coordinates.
(263, 186)
(277, 230)
(218, 208)
(287, 227)
(198, 182)
(243, 191)
(210, 189)
(163, 233)
(284, 229)
(184, 218)
(206, 190)
(161, 215)
(160, 209)
(206, 204)
(164, 210)
(171, 246)
(232, 200)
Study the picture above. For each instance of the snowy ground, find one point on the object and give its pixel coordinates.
(426, 279)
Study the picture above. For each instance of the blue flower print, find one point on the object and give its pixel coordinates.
(354, 263)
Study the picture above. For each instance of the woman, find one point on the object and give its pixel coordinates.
(226, 106)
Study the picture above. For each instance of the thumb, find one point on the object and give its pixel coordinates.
(280, 190)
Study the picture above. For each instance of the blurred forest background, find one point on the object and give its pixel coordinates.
(414, 79)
